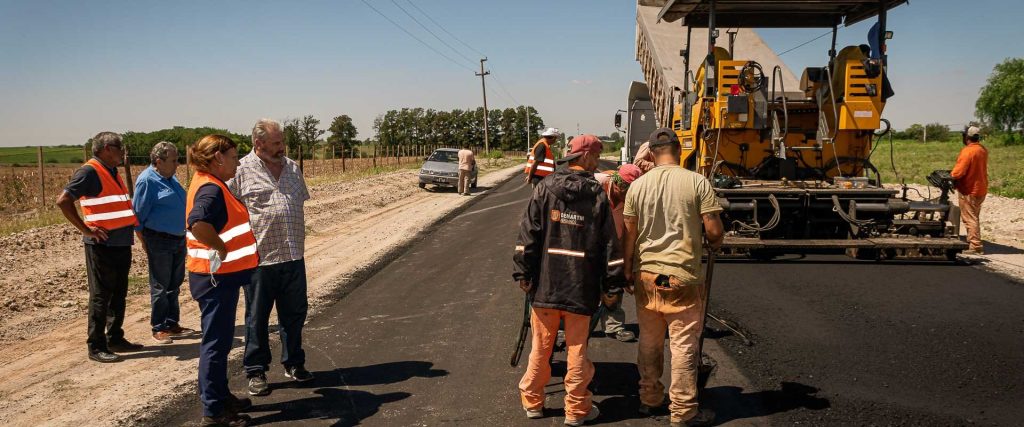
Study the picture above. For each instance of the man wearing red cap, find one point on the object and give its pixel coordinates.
(566, 252)
(615, 184)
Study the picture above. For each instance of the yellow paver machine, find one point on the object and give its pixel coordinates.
(790, 159)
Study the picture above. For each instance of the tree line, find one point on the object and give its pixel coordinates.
(507, 128)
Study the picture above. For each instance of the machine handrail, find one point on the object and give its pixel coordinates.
(785, 108)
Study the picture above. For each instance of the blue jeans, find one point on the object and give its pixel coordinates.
(217, 307)
(166, 273)
(282, 284)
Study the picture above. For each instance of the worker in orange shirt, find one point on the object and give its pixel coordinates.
(971, 175)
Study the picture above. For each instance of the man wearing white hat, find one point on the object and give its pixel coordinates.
(541, 161)
(971, 175)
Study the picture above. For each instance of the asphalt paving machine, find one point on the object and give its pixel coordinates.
(790, 159)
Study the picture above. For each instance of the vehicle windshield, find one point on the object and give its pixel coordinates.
(444, 157)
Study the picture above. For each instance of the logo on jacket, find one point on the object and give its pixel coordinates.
(567, 218)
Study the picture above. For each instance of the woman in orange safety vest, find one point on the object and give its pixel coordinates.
(220, 259)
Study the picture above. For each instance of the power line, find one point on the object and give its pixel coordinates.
(417, 38)
(805, 43)
(417, 21)
(443, 29)
(502, 87)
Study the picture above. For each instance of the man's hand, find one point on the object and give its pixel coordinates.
(96, 233)
(525, 285)
(611, 300)
(223, 252)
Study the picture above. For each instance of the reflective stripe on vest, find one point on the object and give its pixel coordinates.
(112, 208)
(237, 234)
(546, 167)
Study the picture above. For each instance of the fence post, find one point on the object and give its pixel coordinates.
(42, 177)
(342, 158)
(301, 163)
(85, 152)
(375, 155)
(398, 154)
(188, 164)
(128, 174)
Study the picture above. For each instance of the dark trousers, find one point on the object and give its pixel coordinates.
(282, 284)
(217, 308)
(166, 273)
(107, 268)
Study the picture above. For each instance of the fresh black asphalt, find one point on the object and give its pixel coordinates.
(426, 341)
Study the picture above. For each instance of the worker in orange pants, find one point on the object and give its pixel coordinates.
(567, 254)
(544, 323)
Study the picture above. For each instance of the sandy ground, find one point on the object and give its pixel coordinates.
(1002, 230)
(355, 227)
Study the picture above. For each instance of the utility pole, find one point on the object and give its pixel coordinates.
(528, 136)
(483, 84)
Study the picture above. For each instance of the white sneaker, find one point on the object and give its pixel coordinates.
(591, 416)
(534, 414)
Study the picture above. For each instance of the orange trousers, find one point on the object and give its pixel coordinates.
(678, 312)
(544, 325)
(970, 212)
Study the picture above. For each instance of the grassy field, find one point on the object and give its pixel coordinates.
(915, 160)
(26, 156)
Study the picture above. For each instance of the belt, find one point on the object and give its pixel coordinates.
(167, 236)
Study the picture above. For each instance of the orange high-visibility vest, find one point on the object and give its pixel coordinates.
(236, 234)
(111, 209)
(546, 167)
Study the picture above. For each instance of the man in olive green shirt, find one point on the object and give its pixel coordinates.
(664, 212)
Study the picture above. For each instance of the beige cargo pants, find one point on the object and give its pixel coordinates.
(678, 312)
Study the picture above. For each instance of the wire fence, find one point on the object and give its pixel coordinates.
(26, 189)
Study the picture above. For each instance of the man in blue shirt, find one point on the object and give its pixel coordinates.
(159, 205)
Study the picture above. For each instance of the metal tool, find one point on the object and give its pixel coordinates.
(524, 331)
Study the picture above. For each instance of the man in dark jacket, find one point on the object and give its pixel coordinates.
(567, 251)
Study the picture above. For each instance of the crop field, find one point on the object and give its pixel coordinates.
(915, 160)
(27, 156)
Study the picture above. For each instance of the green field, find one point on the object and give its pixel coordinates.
(915, 160)
(26, 156)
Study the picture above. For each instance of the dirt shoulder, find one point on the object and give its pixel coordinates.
(355, 226)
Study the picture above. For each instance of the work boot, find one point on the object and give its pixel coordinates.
(177, 331)
(122, 345)
(162, 337)
(104, 356)
(591, 416)
(648, 411)
(298, 373)
(974, 252)
(704, 417)
(624, 336)
(226, 419)
(534, 414)
(258, 384)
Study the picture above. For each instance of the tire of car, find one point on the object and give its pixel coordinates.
(422, 185)
(473, 185)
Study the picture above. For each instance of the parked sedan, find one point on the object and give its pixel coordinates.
(442, 169)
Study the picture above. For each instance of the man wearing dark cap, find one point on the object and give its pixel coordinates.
(566, 254)
(664, 213)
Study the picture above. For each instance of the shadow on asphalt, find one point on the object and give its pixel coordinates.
(731, 403)
(348, 407)
(997, 249)
(336, 401)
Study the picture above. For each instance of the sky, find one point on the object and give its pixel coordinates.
(71, 69)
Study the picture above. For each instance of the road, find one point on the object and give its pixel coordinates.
(426, 341)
